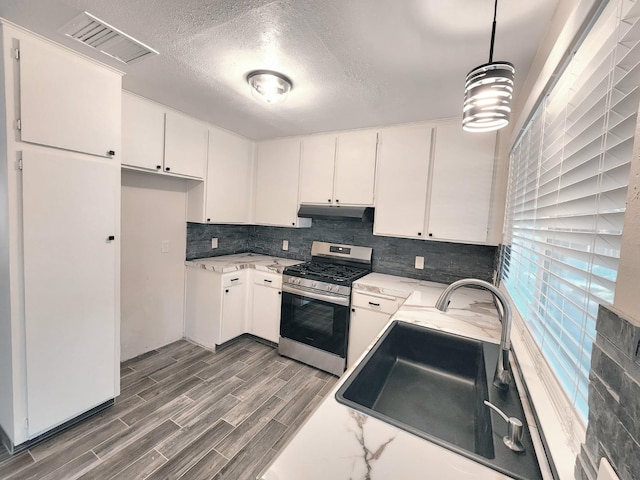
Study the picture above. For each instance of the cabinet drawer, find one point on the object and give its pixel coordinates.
(379, 303)
(231, 279)
(267, 279)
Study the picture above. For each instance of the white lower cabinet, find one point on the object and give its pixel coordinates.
(265, 308)
(215, 307)
(369, 314)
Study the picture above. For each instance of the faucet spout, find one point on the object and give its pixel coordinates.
(502, 377)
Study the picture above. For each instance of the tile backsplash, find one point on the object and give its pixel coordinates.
(614, 399)
(443, 262)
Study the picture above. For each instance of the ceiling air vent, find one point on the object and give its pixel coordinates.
(109, 40)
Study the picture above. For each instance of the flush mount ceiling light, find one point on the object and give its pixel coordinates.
(269, 86)
(488, 91)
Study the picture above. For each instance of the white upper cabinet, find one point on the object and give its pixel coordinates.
(338, 169)
(462, 184)
(403, 179)
(355, 168)
(142, 133)
(226, 195)
(66, 101)
(185, 145)
(276, 194)
(318, 167)
(162, 140)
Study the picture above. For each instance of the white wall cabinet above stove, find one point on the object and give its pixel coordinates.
(66, 101)
(277, 180)
(434, 182)
(155, 138)
(225, 196)
(339, 169)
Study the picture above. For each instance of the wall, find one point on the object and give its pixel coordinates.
(614, 399)
(626, 299)
(152, 282)
(444, 262)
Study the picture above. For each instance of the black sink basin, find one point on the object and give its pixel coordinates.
(433, 384)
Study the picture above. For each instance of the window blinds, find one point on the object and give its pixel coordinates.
(569, 172)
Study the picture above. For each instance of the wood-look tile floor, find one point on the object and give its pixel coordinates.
(187, 413)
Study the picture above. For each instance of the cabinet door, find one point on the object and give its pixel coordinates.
(228, 178)
(355, 168)
(202, 307)
(461, 185)
(266, 313)
(364, 326)
(142, 133)
(67, 101)
(403, 179)
(317, 169)
(185, 145)
(278, 165)
(69, 211)
(234, 302)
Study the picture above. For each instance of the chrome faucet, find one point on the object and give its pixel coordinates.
(502, 377)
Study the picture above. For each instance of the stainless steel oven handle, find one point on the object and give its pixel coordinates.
(344, 301)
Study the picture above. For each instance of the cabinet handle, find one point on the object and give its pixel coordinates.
(111, 153)
(167, 169)
(111, 238)
(419, 233)
(158, 167)
(374, 304)
(431, 234)
(234, 279)
(268, 281)
(226, 291)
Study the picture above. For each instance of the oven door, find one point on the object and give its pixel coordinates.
(315, 319)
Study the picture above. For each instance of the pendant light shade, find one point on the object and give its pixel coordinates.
(487, 97)
(488, 92)
(269, 86)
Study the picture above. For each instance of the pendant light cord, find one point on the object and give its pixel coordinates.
(493, 31)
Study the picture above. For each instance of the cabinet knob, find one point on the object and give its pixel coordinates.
(293, 223)
(329, 200)
(159, 167)
(419, 233)
(111, 153)
(337, 201)
(353, 310)
(166, 169)
(226, 291)
(431, 234)
(279, 293)
(111, 238)
(208, 219)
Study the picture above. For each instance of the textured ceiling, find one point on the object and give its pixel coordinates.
(353, 63)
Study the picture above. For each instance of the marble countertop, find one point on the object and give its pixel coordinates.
(239, 261)
(339, 443)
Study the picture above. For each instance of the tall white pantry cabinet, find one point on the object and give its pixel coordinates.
(60, 129)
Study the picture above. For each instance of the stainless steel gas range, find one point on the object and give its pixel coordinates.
(314, 325)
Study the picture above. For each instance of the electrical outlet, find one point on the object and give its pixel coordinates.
(214, 243)
(285, 245)
(419, 263)
(165, 246)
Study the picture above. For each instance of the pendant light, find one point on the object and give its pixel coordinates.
(269, 86)
(488, 91)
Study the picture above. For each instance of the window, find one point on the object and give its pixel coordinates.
(569, 171)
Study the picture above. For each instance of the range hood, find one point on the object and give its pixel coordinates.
(361, 214)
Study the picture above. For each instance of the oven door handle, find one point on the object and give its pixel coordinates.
(344, 301)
